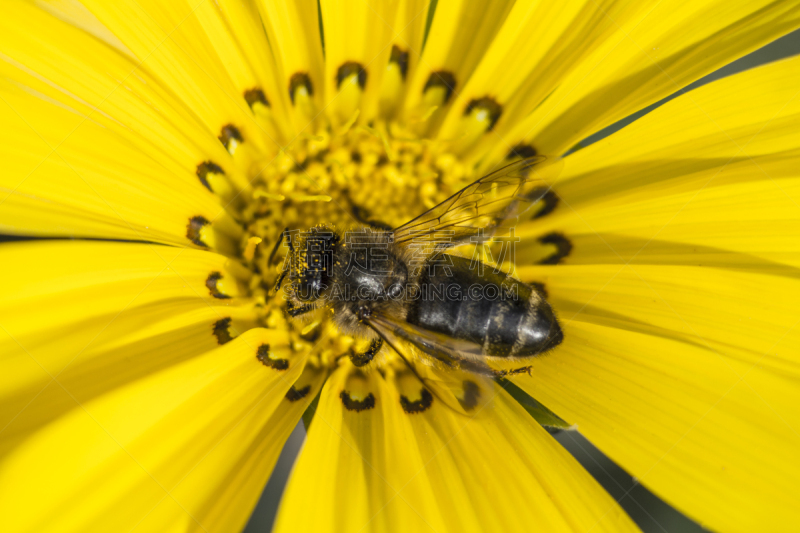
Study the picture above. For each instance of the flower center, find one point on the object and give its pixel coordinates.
(381, 176)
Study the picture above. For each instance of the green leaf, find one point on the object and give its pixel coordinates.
(539, 412)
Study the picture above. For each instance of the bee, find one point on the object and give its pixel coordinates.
(400, 289)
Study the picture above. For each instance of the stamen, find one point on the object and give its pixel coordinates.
(300, 82)
(351, 68)
(264, 355)
(222, 331)
(212, 283)
(349, 124)
(230, 137)
(443, 80)
(352, 404)
(400, 57)
(563, 248)
(250, 250)
(522, 151)
(294, 394)
(255, 96)
(417, 406)
(485, 109)
(311, 198)
(260, 193)
(195, 228)
(472, 395)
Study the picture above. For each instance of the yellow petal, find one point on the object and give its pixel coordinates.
(412, 16)
(647, 58)
(229, 507)
(664, 375)
(207, 71)
(458, 37)
(519, 72)
(89, 183)
(381, 468)
(678, 300)
(358, 37)
(294, 32)
(702, 180)
(130, 456)
(111, 461)
(97, 315)
(514, 59)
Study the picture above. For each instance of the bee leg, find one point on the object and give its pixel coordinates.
(280, 280)
(361, 359)
(277, 245)
(294, 311)
(511, 372)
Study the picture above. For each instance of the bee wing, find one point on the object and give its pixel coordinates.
(481, 209)
(462, 383)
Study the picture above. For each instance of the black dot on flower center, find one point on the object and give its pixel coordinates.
(255, 96)
(230, 133)
(362, 358)
(263, 355)
(211, 284)
(472, 394)
(400, 58)
(562, 244)
(222, 330)
(441, 78)
(522, 150)
(204, 169)
(298, 80)
(489, 105)
(348, 69)
(549, 201)
(357, 405)
(193, 228)
(417, 406)
(294, 394)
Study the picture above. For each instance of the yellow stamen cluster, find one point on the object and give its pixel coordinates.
(380, 175)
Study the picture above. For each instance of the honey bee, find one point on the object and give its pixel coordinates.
(446, 316)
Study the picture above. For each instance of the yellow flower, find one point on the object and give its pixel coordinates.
(150, 378)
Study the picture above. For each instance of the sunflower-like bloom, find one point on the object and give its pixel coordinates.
(150, 375)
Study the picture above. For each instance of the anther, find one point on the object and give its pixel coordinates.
(400, 57)
(563, 248)
(357, 405)
(522, 150)
(444, 79)
(211, 284)
(204, 169)
(349, 69)
(417, 406)
(294, 394)
(263, 355)
(193, 229)
(230, 137)
(222, 330)
(549, 203)
(362, 358)
(487, 106)
(255, 96)
(472, 394)
(297, 81)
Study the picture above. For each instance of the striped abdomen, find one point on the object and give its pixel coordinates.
(506, 317)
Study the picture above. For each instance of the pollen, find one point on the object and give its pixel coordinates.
(377, 174)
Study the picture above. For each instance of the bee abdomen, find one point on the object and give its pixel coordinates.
(504, 316)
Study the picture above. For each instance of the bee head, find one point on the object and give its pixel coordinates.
(312, 262)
